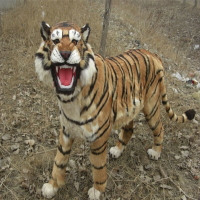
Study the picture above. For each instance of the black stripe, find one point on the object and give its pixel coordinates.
(101, 183)
(159, 132)
(103, 132)
(134, 57)
(39, 55)
(98, 153)
(183, 119)
(172, 116)
(114, 111)
(168, 109)
(45, 49)
(158, 144)
(116, 79)
(98, 130)
(47, 67)
(127, 129)
(88, 56)
(105, 90)
(155, 106)
(113, 59)
(164, 102)
(153, 79)
(61, 166)
(122, 142)
(85, 108)
(152, 114)
(89, 120)
(121, 57)
(67, 101)
(65, 133)
(160, 79)
(134, 95)
(63, 152)
(145, 58)
(92, 85)
(154, 127)
(99, 147)
(98, 168)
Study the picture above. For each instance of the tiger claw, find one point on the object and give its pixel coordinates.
(115, 152)
(154, 155)
(94, 194)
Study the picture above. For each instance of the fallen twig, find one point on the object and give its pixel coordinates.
(179, 188)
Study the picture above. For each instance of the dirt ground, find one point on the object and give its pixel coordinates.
(29, 124)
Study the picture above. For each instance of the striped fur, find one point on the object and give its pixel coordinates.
(109, 93)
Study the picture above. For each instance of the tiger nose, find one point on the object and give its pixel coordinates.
(65, 54)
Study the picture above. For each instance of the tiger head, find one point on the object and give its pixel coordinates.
(68, 55)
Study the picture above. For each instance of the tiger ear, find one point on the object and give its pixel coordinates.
(45, 30)
(85, 30)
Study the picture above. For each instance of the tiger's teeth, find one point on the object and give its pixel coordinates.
(65, 67)
(57, 69)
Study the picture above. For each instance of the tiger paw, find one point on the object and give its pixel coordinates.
(49, 191)
(115, 152)
(154, 155)
(94, 194)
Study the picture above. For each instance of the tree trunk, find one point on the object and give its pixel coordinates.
(105, 27)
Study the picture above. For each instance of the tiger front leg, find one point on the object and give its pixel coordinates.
(50, 189)
(98, 156)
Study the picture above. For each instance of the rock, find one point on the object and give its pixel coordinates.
(19, 139)
(6, 137)
(120, 186)
(196, 46)
(148, 167)
(30, 142)
(132, 154)
(178, 76)
(196, 95)
(72, 164)
(25, 170)
(164, 186)
(110, 184)
(15, 147)
(16, 152)
(76, 184)
(177, 157)
(14, 97)
(195, 121)
(183, 197)
(145, 178)
(185, 153)
(184, 147)
(156, 178)
(141, 169)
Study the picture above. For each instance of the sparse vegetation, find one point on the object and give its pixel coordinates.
(28, 110)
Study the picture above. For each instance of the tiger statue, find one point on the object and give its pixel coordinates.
(96, 95)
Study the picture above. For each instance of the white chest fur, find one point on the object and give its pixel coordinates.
(74, 124)
(71, 110)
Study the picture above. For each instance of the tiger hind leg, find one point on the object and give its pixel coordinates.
(152, 115)
(50, 189)
(124, 137)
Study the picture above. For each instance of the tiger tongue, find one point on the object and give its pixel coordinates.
(65, 76)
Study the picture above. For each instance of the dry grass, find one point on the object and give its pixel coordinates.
(33, 113)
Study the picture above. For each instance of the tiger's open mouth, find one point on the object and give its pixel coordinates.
(65, 75)
(65, 78)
